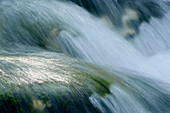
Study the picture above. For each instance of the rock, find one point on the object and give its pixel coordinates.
(54, 32)
(52, 84)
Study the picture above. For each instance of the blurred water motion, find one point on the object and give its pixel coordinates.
(84, 56)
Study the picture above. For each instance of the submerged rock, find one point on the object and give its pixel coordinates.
(116, 10)
(54, 32)
(39, 84)
(53, 82)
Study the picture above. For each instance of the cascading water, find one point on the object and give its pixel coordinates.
(55, 56)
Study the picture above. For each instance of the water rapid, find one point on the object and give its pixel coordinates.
(108, 56)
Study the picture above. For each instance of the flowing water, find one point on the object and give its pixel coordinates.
(56, 56)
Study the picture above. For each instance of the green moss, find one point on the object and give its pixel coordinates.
(72, 92)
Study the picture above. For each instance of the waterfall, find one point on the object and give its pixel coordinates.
(108, 56)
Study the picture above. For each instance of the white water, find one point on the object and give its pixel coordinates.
(90, 38)
(154, 42)
(98, 43)
(94, 40)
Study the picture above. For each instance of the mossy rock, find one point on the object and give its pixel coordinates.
(50, 83)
